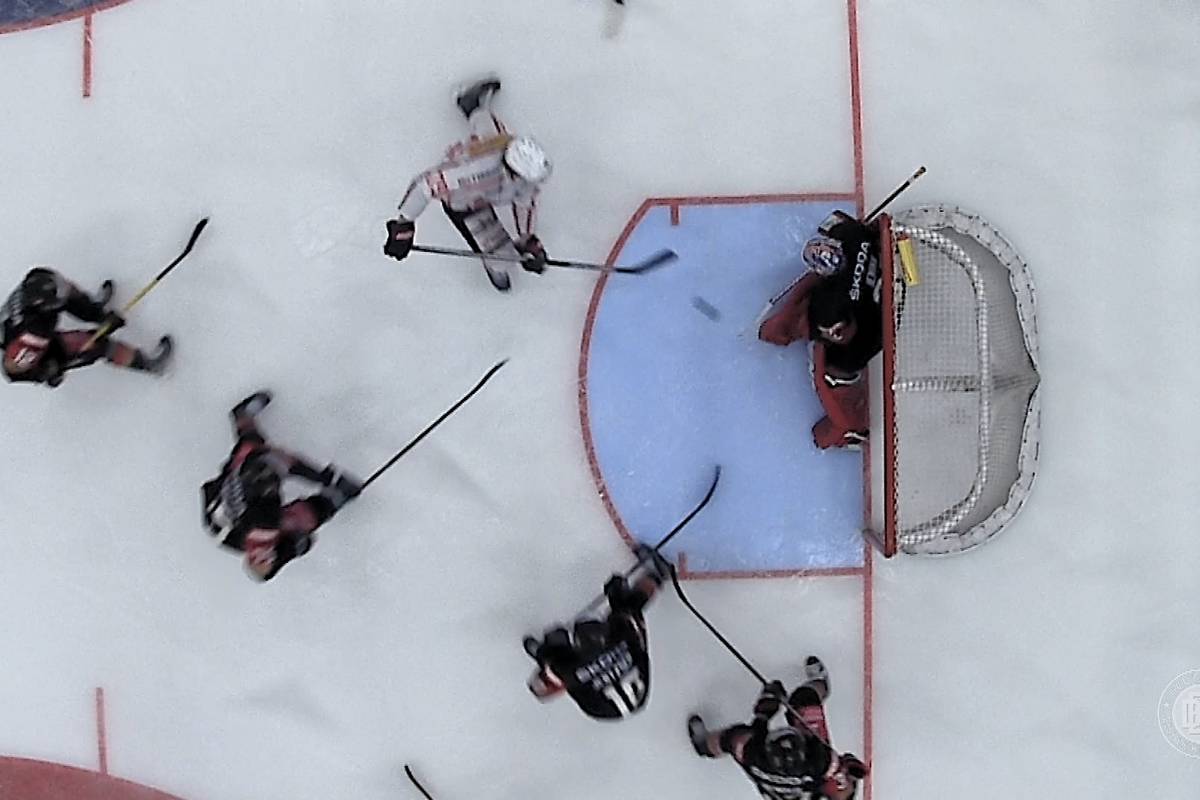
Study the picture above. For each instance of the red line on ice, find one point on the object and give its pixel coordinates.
(87, 56)
(101, 732)
(856, 103)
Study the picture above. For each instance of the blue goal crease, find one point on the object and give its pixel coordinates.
(677, 381)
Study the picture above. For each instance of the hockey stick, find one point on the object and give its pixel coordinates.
(104, 329)
(713, 630)
(429, 428)
(658, 259)
(408, 771)
(799, 720)
(895, 193)
(670, 535)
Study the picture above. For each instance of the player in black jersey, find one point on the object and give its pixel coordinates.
(243, 506)
(837, 306)
(35, 351)
(603, 663)
(792, 762)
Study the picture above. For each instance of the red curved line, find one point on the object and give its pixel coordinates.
(584, 349)
(31, 779)
(594, 306)
(43, 22)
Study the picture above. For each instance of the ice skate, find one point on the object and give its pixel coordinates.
(473, 94)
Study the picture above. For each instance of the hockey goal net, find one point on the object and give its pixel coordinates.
(959, 370)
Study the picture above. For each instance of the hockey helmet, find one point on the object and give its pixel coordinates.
(527, 160)
(259, 479)
(39, 290)
(591, 635)
(24, 353)
(784, 750)
(823, 254)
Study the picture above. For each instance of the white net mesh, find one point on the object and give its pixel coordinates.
(964, 430)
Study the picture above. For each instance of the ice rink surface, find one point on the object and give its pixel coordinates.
(1033, 666)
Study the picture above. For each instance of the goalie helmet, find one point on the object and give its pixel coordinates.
(823, 254)
(527, 160)
(784, 750)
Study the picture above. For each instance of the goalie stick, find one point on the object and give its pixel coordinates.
(408, 771)
(654, 261)
(104, 329)
(663, 541)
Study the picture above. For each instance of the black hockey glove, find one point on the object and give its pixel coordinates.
(114, 321)
(346, 484)
(615, 589)
(853, 766)
(533, 254)
(770, 700)
(400, 238)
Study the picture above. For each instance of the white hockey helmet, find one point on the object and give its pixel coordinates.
(527, 160)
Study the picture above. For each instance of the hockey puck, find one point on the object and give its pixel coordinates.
(706, 308)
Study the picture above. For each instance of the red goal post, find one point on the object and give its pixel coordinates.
(956, 409)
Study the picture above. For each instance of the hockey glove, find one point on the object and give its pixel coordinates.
(615, 589)
(113, 321)
(400, 238)
(346, 484)
(853, 766)
(533, 254)
(770, 700)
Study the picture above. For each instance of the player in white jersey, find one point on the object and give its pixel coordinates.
(491, 168)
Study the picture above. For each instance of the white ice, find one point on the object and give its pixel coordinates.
(1031, 667)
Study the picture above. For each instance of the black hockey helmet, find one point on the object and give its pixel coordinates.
(39, 290)
(259, 478)
(784, 750)
(591, 635)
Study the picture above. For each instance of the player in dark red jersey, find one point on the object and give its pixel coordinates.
(836, 305)
(243, 506)
(792, 762)
(35, 351)
(603, 664)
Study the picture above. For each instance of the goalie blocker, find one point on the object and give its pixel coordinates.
(836, 306)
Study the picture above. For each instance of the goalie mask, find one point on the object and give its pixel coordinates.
(823, 255)
(527, 160)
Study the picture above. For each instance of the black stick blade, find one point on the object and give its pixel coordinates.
(191, 242)
(699, 507)
(659, 259)
(408, 771)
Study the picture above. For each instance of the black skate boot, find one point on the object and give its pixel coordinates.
(252, 406)
(104, 296)
(156, 362)
(698, 734)
(499, 279)
(532, 646)
(473, 94)
(816, 677)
